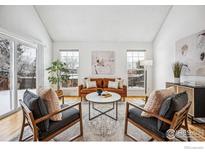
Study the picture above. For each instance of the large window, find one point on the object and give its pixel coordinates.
(71, 58)
(5, 75)
(17, 71)
(26, 69)
(135, 70)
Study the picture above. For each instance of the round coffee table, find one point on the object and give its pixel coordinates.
(94, 98)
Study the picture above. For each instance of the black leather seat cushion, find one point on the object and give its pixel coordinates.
(37, 107)
(149, 123)
(68, 116)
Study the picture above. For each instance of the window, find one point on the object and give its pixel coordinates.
(17, 71)
(135, 70)
(26, 69)
(71, 58)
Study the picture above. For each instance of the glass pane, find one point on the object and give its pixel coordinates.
(5, 76)
(26, 69)
(72, 62)
(135, 71)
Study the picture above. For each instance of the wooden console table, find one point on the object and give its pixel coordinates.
(196, 94)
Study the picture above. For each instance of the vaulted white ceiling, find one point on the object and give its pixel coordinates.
(102, 23)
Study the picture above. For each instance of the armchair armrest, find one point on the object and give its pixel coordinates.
(150, 113)
(56, 112)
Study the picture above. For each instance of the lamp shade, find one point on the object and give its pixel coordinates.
(146, 62)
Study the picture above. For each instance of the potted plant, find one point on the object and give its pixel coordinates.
(58, 73)
(177, 67)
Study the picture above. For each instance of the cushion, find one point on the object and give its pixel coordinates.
(91, 84)
(99, 82)
(37, 107)
(120, 82)
(171, 105)
(51, 99)
(155, 100)
(149, 123)
(68, 116)
(106, 80)
(113, 84)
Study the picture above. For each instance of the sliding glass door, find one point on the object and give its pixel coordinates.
(18, 62)
(26, 69)
(5, 75)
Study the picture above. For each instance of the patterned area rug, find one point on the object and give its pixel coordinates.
(102, 128)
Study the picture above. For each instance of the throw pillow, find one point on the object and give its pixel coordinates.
(120, 82)
(91, 84)
(113, 84)
(37, 107)
(171, 105)
(155, 100)
(51, 99)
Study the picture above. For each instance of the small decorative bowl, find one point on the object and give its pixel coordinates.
(99, 91)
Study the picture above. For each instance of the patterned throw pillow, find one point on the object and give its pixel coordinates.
(113, 84)
(155, 100)
(51, 99)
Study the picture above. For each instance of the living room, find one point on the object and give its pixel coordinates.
(104, 73)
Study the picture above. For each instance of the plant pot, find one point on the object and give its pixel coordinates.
(176, 80)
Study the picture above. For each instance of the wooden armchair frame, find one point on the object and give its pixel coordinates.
(176, 123)
(28, 116)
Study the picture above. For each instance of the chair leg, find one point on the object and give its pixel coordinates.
(81, 121)
(126, 125)
(126, 118)
(22, 129)
(187, 130)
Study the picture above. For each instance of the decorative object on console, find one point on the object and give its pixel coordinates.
(191, 52)
(58, 73)
(177, 68)
(103, 62)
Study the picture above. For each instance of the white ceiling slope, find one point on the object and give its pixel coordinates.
(103, 23)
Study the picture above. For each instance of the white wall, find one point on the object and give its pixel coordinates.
(24, 21)
(85, 49)
(181, 22)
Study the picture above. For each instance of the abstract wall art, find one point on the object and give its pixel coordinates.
(191, 52)
(103, 62)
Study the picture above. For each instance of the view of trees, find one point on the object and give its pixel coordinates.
(26, 65)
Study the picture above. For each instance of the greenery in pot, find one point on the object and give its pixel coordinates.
(58, 73)
(177, 68)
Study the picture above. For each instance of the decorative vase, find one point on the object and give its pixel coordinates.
(99, 91)
(176, 80)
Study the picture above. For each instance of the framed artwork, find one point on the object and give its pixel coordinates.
(103, 62)
(191, 52)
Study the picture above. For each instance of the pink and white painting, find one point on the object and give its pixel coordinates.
(103, 62)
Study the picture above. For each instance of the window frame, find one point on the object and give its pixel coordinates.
(132, 67)
(72, 74)
(14, 39)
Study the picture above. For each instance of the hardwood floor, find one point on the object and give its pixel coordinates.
(10, 126)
